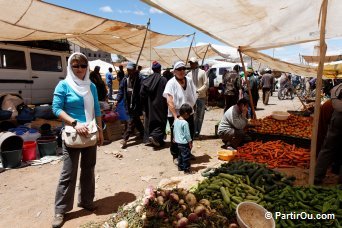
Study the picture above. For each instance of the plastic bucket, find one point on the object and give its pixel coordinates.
(29, 151)
(47, 146)
(11, 159)
(9, 141)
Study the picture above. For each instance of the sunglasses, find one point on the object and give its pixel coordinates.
(181, 68)
(83, 66)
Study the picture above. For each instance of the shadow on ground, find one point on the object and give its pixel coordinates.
(207, 137)
(106, 142)
(166, 145)
(106, 206)
(197, 168)
(201, 159)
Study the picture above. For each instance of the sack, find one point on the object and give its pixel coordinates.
(26, 114)
(44, 112)
(10, 102)
(74, 140)
(110, 116)
(230, 88)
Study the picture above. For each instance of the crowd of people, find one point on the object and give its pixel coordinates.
(178, 98)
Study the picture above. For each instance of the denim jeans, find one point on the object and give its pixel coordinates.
(174, 148)
(184, 156)
(199, 115)
(110, 91)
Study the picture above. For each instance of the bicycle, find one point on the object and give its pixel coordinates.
(286, 93)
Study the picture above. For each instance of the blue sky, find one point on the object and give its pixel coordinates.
(137, 12)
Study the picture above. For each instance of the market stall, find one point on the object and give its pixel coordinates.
(229, 196)
(31, 135)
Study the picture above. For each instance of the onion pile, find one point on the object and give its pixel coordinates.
(180, 208)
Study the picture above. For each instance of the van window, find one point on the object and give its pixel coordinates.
(11, 59)
(43, 62)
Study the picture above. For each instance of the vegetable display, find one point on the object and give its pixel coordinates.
(297, 126)
(213, 202)
(239, 181)
(226, 191)
(180, 208)
(276, 154)
(256, 175)
(310, 201)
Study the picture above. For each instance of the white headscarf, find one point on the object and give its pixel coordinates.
(82, 88)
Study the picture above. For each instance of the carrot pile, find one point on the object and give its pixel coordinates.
(297, 126)
(276, 154)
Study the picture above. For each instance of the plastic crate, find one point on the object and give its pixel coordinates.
(299, 142)
(299, 113)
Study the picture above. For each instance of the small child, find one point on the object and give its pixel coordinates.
(182, 137)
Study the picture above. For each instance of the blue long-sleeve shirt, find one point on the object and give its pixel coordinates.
(65, 99)
(181, 131)
(109, 78)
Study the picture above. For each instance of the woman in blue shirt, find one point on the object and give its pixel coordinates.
(75, 102)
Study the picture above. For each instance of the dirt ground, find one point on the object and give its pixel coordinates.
(27, 194)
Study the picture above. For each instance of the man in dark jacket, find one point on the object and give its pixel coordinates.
(155, 105)
(129, 90)
(266, 83)
(253, 84)
(331, 150)
(121, 73)
(232, 87)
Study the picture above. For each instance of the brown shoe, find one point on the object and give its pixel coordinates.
(58, 220)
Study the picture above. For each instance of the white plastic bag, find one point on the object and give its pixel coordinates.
(10, 103)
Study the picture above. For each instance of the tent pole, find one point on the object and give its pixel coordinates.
(248, 86)
(259, 67)
(187, 57)
(205, 54)
(322, 52)
(115, 69)
(143, 44)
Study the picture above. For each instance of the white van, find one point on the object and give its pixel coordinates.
(32, 73)
(219, 68)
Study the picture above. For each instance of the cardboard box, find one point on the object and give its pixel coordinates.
(113, 131)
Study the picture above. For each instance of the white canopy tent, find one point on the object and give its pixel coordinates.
(103, 66)
(254, 25)
(167, 56)
(24, 20)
